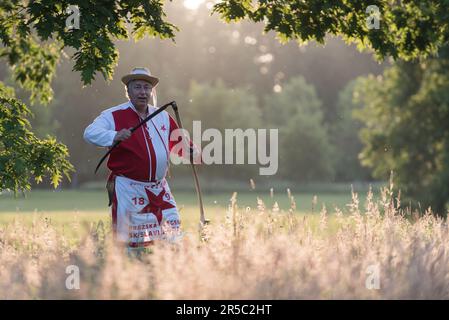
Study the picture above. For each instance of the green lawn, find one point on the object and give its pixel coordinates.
(96, 200)
(67, 208)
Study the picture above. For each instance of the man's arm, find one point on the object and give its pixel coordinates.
(101, 132)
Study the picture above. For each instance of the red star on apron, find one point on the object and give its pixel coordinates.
(156, 204)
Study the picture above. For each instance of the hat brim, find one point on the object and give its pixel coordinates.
(129, 77)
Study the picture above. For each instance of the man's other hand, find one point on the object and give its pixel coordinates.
(122, 135)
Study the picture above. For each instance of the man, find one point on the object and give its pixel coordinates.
(143, 208)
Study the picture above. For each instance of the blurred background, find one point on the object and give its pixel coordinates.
(227, 76)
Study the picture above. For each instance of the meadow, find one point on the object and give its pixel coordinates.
(370, 248)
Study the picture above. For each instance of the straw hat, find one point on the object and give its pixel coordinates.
(140, 74)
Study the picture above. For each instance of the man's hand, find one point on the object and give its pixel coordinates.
(122, 135)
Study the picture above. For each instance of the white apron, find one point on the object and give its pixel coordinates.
(143, 212)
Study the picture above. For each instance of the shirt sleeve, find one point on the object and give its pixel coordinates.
(101, 131)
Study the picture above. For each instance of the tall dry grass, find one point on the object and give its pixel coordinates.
(253, 254)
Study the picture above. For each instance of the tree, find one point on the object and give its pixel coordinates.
(406, 116)
(33, 35)
(344, 136)
(406, 111)
(407, 29)
(305, 153)
(22, 154)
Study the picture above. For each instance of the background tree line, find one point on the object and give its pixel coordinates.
(309, 92)
(296, 90)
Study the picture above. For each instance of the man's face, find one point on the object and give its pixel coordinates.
(139, 93)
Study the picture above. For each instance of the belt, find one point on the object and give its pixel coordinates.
(145, 181)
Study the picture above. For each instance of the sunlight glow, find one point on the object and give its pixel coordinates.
(192, 4)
